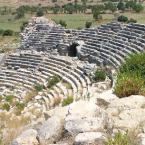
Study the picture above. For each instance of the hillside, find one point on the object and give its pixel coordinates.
(36, 2)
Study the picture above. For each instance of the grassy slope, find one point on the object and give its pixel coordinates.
(73, 21)
(42, 2)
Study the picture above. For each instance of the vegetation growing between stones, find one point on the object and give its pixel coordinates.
(39, 87)
(6, 106)
(67, 101)
(124, 138)
(118, 139)
(130, 80)
(99, 75)
(53, 81)
(9, 98)
(29, 95)
(128, 84)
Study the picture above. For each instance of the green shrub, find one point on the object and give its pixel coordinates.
(39, 12)
(135, 63)
(9, 98)
(20, 106)
(39, 87)
(67, 101)
(138, 7)
(62, 23)
(132, 21)
(88, 24)
(128, 84)
(8, 32)
(53, 81)
(119, 139)
(97, 15)
(130, 80)
(6, 106)
(122, 18)
(99, 75)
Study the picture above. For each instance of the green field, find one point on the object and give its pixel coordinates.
(72, 20)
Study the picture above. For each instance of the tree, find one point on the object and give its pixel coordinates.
(121, 6)
(138, 7)
(20, 14)
(40, 12)
(88, 24)
(122, 18)
(96, 15)
(130, 4)
(110, 6)
(55, 10)
(98, 7)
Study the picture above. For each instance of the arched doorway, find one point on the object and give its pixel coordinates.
(72, 50)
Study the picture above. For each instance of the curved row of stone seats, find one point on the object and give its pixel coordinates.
(113, 26)
(13, 82)
(128, 40)
(44, 36)
(23, 60)
(117, 51)
(76, 72)
(21, 78)
(77, 81)
(98, 50)
(139, 28)
(24, 78)
(99, 34)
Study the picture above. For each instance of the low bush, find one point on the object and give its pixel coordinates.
(99, 75)
(132, 21)
(9, 98)
(40, 12)
(135, 63)
(39, 87)
(88, 24)
(8, 32)
(128, 84)
(130, 80)
(62, 23)
(53, 81)
(20, 106)
(122, 18)
(6, 106)
(67, 101)
(118, 139)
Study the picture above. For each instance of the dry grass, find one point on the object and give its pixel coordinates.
(8, 44)
(30, 95)
(12, 126)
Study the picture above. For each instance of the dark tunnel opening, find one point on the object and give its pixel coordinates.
(72, 50)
